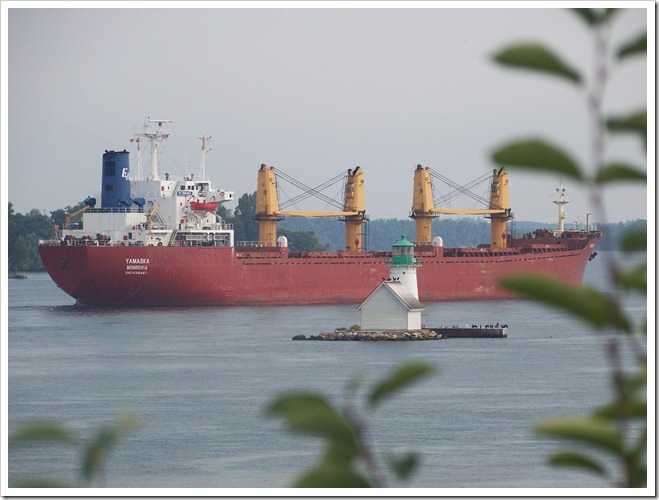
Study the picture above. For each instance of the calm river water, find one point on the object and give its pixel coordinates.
(199, 379)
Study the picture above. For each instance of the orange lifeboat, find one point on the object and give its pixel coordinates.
(198, 206)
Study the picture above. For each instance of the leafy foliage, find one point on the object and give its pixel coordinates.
(538, 58)
(347, 460)
(614, 172)
(537, 154)
(601, 431)
(247, 229)
(380, 234)
(596, 308)
(303, 241)
(618, 428)
(595, 17)
(402, 376)
(635, 123)
(636, 46)
(24, 232)
(93, 450)
(242, 218)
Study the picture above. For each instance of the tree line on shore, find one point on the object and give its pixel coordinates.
(318, 234)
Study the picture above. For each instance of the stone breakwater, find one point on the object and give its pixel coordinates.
(426, 334)
(373, 335)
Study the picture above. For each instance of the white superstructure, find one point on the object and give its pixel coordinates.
(161, 211)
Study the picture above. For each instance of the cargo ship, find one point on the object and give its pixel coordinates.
(159, 241)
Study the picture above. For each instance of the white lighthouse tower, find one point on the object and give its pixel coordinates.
(403, 265)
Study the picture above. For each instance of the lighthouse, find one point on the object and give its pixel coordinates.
(403, 265)
(394, 304)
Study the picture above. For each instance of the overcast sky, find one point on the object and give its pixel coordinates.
(312, 92)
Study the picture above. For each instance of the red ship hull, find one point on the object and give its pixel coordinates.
(213, 275)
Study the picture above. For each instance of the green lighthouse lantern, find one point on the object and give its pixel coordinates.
(403, 252)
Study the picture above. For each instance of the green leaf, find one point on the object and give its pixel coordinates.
(635, 408)
(538, 58)
(38, 482)
(103, 442)
(635, 46)
(634, 279)
(353, 385)
(635, 123)
(340, 451)
(585, 430)
(95, 453)
(404, 375)
(572, 459)
(309, 413)
(331, 476)
(614, 172)
(594, 17)
(537, 154)
(639, 477)
(404, 465)
(587, 304)
(42, 431)
(639, 450)
(635, 241)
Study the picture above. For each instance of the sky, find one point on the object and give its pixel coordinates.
(311, 91)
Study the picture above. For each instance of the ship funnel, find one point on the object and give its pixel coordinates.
(115, 189)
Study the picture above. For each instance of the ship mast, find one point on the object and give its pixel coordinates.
(202, 163)
(155, 138)
(561, 202)
(138, 140)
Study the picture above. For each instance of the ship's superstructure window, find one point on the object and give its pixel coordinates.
(109, 168)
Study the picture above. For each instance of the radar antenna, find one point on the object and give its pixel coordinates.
(156, 137)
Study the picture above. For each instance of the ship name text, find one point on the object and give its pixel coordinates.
(137, 266)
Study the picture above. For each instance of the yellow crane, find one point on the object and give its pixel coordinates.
(423, 207)
(151, 215)
(268, 212)
(67, 219)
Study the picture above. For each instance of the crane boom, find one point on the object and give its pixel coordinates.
(67, 219)
(485, 211)
(268, 213)
(423, 207)
(317, 214)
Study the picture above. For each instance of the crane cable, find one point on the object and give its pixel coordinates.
(461, 189)
(309, 191)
